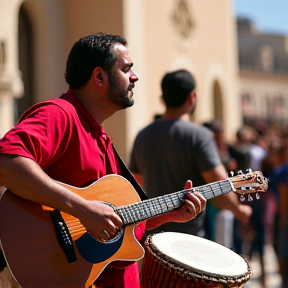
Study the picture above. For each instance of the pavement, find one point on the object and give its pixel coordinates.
(273, 279)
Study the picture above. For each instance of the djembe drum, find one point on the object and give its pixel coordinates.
(181, 260)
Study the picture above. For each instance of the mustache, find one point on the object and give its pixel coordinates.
(131, 86)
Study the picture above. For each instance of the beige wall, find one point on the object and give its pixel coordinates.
(156, 47)
(209, 52)
(10, 79)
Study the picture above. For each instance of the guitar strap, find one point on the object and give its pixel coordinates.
(2, 261)
(128, 175)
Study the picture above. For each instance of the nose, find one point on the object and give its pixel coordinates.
(133, 76)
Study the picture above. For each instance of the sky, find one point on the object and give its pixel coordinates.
(269, 16)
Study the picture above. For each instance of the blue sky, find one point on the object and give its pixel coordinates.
(268, 15)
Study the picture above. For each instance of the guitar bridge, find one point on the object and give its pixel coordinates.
(63, 235)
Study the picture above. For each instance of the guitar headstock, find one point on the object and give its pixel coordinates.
(249, 183)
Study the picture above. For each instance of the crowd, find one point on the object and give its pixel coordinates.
(262, 147)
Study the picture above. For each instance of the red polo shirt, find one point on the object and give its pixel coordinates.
(70, 147)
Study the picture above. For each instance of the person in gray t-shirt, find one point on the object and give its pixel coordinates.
(173, 149)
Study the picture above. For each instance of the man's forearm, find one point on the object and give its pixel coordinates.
(26, 179)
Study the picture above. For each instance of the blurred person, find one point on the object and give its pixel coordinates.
(250, 237)
(216, 126)
(63, 139)
(219, 222)
(283, 226)
(280, 183)
(173, 148)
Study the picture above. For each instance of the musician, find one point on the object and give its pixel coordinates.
(63, 139)
(180, 149)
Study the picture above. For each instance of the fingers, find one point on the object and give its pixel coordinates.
(113, 228)
(188, 184)
(107, 233)
(195, 202)
(101, 221)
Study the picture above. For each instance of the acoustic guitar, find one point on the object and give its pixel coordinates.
(48, 248)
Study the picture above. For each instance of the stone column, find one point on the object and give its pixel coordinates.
(11, 84)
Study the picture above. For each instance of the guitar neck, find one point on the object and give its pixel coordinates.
(149, 208)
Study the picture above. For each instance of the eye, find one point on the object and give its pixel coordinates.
(126, 69)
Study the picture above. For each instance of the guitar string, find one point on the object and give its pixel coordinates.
(163, 202)
(166, 203)
(163, 206)
(148, 208)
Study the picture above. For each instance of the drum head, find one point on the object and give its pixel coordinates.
(199, 254)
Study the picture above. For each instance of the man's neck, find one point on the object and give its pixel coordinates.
(99, 109)
(175, 114)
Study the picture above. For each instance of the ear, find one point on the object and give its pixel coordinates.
(98, 75)
(192, 97)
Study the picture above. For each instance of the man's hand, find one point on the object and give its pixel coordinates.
(194, 204)
(243, 213)
(100, 220)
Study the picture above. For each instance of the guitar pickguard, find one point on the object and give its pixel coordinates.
(94, 251)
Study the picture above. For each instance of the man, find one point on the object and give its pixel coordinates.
(63, 139)
(172, 149)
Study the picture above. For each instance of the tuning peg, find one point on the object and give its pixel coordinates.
(239, 172)
(231, 173)
(250, 198)
(242, 198)
(257, 196)
(249, 170)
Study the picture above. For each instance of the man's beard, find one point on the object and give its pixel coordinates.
(118, 95)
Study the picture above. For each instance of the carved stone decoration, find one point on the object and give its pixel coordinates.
(182, 19)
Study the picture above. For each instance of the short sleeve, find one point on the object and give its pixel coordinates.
(207, 156)
(42, 135)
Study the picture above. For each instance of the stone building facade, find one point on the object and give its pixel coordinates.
(199, 35)
(263, 64)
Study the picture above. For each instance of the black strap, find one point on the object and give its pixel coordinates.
(3, 263)
(128, 175)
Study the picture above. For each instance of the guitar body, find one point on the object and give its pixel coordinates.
(33, 253)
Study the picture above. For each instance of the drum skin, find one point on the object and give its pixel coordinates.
(158, 271)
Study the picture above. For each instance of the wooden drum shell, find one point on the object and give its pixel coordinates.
(158, 271)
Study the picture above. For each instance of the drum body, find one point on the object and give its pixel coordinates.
(181, 260)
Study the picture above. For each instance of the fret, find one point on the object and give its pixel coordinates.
(125, 215)
(153, 207)
(169, 203)
(129, 214)
(133, 212)
(142, 211)
(176, 201)
(147, 210)
(211, 190)
(121, 212)
(161, 206)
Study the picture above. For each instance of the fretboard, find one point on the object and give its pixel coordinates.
(149, 208)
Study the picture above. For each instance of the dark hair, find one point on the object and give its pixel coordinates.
(88, 53)
(215, 125)
(176, 86)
